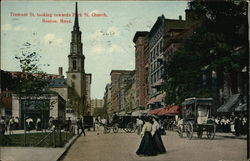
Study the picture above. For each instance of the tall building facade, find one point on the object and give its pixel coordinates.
(118, 79)
(76, 73)
(160, 46)
(88, 93)
(141, 67)
(130, 95)
(107, 100)
(96, 104)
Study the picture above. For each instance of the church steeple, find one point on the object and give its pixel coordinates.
(76, 73)
(76, 24)
(76, 57)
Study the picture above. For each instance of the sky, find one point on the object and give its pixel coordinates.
(107, 39)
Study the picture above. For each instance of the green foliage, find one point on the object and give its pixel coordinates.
(211, 48)
(33, 81)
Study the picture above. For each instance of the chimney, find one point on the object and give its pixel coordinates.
(180, 17)
(61, 72)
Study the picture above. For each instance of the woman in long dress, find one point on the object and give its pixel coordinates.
(158, 144)
(146, 147)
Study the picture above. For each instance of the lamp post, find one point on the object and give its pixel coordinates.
(24, 121)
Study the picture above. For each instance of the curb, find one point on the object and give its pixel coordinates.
(67, 146)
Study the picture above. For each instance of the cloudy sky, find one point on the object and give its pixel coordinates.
(107, 40)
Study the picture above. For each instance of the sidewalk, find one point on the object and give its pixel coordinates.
(33, 153)
(230, 135)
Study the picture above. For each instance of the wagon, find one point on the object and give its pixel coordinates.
(88, 122)
(196, 114)
(125, 122)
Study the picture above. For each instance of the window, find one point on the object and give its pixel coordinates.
(74, 64)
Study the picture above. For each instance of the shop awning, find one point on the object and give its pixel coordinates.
(241, 108)
(153, 100)
(230, 104)
(140, 112)
(170, 110)
(157, 83)
(155, 111)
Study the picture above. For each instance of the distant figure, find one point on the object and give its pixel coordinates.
(80, 127)
(2, 125)
(50, 123)
(38, 124)
(97, 123)
(69, 124)
(244, 123)
(11, 125)
(139, 124)
(115, 118)
(237, 126)
(104, 121)
(16, 120)
(29, 123)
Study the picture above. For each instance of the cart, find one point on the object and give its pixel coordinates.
(125, 122)
(196, 114)
(88, 122)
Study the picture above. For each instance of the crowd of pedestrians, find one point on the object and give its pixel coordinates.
(236, 124)
(8, 124)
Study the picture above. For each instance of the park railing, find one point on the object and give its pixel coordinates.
(54, 138)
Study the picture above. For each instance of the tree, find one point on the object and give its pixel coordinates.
(211, 48)
(33, 81)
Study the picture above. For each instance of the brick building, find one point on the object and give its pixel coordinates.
(107, 100)
(161, 46)
(118, 80)
(141, 67)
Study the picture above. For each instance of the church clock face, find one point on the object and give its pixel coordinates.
(73, 76)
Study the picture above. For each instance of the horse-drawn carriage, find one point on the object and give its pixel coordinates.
(125, 122)
(196, 114)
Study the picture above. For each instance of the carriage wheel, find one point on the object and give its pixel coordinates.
(180, 131)
(126, 130)
(130, 127)
(115, 128)
(189, 130)
(211, 132)
(106, 129)
(133, 128)
(199, 134)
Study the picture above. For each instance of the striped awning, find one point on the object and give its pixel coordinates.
(153, 100)
(230, 104)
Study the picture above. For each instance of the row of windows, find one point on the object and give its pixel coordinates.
(157, 75)
(155, 65)
(156, 50)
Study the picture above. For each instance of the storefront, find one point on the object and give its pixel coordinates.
(42, 107)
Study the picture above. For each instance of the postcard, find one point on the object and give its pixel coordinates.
(124, 80)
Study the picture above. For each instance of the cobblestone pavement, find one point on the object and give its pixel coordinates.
(122, 147)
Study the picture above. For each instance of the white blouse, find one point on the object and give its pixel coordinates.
(155, 127)
(146, 127)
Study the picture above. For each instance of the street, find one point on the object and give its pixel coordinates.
(122, 147)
